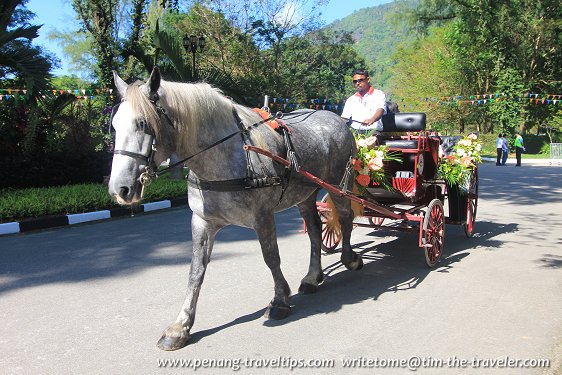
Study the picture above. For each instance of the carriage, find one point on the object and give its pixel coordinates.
(242, 172)
(417, 200)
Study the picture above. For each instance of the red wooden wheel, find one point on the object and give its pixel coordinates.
(330, 237)
(433, 233)
(376, 220)
(472, 204)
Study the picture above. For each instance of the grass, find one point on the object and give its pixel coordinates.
(21, 204)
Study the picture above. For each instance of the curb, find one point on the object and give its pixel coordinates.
(72, 219)
(528, 161)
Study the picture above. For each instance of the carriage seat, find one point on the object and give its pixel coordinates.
(402, 122)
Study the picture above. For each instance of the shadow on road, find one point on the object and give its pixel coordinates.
(390, 267)
(112, 248)
(526, 185)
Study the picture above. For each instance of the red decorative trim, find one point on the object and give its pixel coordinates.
(406, 185)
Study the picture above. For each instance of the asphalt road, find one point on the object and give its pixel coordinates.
(94, 298)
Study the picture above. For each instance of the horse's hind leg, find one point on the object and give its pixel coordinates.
(350, 259)
(309, 213)
(279, 307)
(176, 335)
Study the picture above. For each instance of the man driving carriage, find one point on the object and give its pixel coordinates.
(365, 108)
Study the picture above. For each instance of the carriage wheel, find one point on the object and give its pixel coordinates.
(330, 237)
(374, 221)
(472, 204)
(433, 233)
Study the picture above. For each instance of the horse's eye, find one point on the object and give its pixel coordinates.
(141, 125)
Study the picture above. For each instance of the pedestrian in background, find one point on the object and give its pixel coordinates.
(519, 148)
(499, 149)
(505, 150)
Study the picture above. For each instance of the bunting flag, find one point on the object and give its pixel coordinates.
(330, 104)
(81, 94)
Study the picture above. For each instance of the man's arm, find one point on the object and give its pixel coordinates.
(376, 117)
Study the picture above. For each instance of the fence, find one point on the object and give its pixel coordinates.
(556, 153)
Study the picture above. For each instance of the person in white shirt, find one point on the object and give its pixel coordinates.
(499, 149)
(365, 108)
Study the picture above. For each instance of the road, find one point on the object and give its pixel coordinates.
(94, 298)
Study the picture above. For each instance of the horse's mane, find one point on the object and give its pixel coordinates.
(191, 106)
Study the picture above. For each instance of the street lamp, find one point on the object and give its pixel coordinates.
(190, 43)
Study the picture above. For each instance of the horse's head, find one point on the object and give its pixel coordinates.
(136, 121)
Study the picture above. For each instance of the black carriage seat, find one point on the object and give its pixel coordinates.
(402, 122)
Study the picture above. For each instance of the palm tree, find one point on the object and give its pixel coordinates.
(18, 58)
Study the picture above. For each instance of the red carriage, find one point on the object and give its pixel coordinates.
(417, 197)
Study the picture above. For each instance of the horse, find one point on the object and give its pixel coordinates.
(227, 184)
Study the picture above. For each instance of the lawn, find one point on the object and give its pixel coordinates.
(21, 204)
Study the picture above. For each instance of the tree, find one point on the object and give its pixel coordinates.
(317, 65)
(522, 37)
(18, 58)
(115, 27)
(427, 70)
(270, 22)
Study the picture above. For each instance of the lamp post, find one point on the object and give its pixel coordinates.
(190, 43)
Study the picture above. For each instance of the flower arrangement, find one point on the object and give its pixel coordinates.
(369, 162)
(456, 168)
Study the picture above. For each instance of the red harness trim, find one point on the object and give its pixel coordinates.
(265, 115)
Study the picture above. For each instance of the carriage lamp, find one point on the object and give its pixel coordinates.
(190, 43)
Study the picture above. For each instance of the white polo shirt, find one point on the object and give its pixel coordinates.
(361, 108)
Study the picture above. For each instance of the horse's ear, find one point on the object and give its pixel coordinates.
(119, 84)
(154, 81)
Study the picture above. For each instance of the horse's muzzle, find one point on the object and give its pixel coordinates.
(124, 195)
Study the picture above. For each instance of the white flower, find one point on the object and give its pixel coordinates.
(460, 152)
(379, 154)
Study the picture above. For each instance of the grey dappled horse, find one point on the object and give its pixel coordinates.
(228, 185)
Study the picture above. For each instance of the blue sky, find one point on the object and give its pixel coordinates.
(59, 15)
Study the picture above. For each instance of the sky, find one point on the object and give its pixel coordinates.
(59, 15)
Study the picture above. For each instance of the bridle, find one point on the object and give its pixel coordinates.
(150, 173)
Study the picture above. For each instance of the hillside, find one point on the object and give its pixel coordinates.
(377, 31)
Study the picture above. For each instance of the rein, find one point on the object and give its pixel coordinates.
(150, 173)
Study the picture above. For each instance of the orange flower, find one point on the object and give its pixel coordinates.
(357, 164)
(451, 158)
(363, 179)
(466, 161)
(375, 164)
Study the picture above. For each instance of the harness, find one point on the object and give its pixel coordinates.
(252, 179)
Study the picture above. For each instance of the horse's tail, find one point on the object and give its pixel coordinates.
(333, 220)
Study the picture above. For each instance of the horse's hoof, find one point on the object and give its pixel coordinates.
(175, 337)
(277, 312)
(355, 265)
(307, 288)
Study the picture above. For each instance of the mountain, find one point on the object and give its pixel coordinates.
(377, 31)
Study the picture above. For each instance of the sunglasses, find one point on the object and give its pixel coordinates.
(359, 80)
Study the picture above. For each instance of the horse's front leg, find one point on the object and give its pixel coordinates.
(350, 259)
(309, 212)
(279, 307)
(176, 335)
